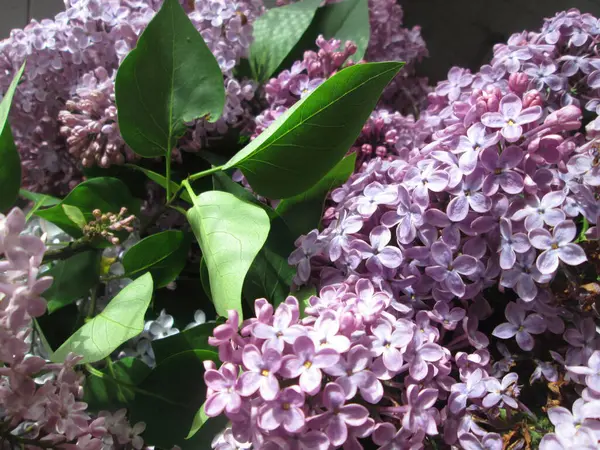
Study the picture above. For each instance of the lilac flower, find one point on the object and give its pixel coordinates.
(544, 369)
(375, 194)
(309, 246)
(500, 393)
(339, 416)
(544, 74)
(347, 225)
(472, 144)
(448, 318)
(591, 371)
(307, 363)
(511, 244)
(457, 79)
(557, 247)
(468, 195)
(286, 410)
(511, 117)
(539, 212)
(408, 217)
(224, 395)
(281, 331)
(421, 415)
(448, 269)
(500, 170)
(425, 177)
(491, 441)
(584, 414)
(521, 326)
(379, 254)
(422, 358)
(461, 392)
(261, 371)
(354, 374)
(325, 333)
(389, 340)
(523, 276)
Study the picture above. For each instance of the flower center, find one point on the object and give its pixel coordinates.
(510, 122)
(554, 246)
(264, 373)
(308, 364)
(286, 406)
(498, 171)
(279, 334)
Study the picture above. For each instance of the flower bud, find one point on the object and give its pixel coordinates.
(518, 82)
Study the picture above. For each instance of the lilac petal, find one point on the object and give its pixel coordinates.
(493, 120)
(508, 257)
(547, 262)
(354, 415)
(525, 341)
(431, 352)
(310, 380)
(529, 115)
(293, 420)
(333, 396)
(269, 420)
(337, 431)
(520, 243)
(505, 330)
(510, 157)
(470, 442)
(392, 359)
(438, 273)
(512, 183)
(558, 415)
(479, 202)
(215, 380)
(263, 331)
(215, 404)
(291, 366)
(553, 216)
(533, 221)
(540, 239)
(390, 257)
(455, 284)
(441, 253)
(512, 133)
(326, 358)
(248, 383)
(534, 324)
(458, 208)
(510, 106)
(380, 237)
(526, 288)
(269, 387)
(468, 161)
(491, 399)
(572, 254)
(565, 232)
(465, 265)
(551, 442)
(437, 181)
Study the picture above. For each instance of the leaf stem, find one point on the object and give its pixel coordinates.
(185, 183)
(204, 173)
(72, 248)
(93, 297)
(168, 174)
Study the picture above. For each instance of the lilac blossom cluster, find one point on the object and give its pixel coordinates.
(66, 98)
(492, 191)
(41, 401)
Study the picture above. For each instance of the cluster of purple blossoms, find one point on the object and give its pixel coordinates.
(64, 113)
(41, 401)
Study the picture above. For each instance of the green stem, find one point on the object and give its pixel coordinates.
(205, 173)
(188, 188)
(71, 249)
(93, 297)
(168, 174)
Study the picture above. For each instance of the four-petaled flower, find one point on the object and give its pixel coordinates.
(557, 247)
(521, 326)
(511, 117)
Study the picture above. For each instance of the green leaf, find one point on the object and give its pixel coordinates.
(270, 276)
(205, 278)
(195, 338)
(303, 295)
(199, 420)
(306, 142)
(75, 214)
(73, 279)
(177, 393)
(41, 199)
(347, 20)
(303, 212)
(161, 181)
(10, 162)
(121, 320)
(276, 32)
(170, 78)
(106, 194)
(106, 394)
(163, 254)
(230, 233)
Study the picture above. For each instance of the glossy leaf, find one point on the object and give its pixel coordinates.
(205, 279)
(121, 320)
(199, 421)
(163, 254)
(161, 181)
(276, 33)
(10, 162)
(306, 142)
(41, 199)
(195, 338)
(106, 194)
(73, 279)
(75, 215)
(230, 233)
(169, 79)
(303, 212)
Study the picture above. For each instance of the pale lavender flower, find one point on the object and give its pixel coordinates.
(501, 393)
(491, 441)
(511, 117)
(285, 410)
(539, 212)
(500, 170)
(448, 270)
(520, 326)
(390, 340)
(408, 216)
(467, 196)
(474, 387)
(591, 371)
(421, 414)
(457, 80)
(224, 395)
(379, 254)
(557, 247)
(261, 370)
(375, 194)
(524, 274)
(284, 330)
(471, 145)
(511, 244)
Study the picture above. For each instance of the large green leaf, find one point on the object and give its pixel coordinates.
(276, 32)
(41, 199)
(73, 279)
(121, 320)
(106, 194)
(161, 181)
(169, 79)
(195, 338)
(347, 20)
(306, 142)
(303, 212)
(178, 391)
(118, 387)
(230, 233)
(10, 163)
(163, 254)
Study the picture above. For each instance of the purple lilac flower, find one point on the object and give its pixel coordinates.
(473, 387)
(449, 269)
(501, 393)
(284, 411)
(557, 247)
(261, 370)
(521, 326)
(511, 117)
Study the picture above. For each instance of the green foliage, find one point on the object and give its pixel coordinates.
(306, 142)
(275, 34)
(73, 279)
(75, 215)
(169, 79)
(195, 338)
(163, 254)
(230, 233)
(106, 194)
(303, 212)
(120, 321)
(39, 199)
(10, 162)
(161, 181)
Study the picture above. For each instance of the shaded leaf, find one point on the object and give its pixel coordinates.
(230, 233)
(169, 79)
(161, 181)
(10, 162)
(75, 215)
(195, 338)
(307, 141)
(121, 320)
(41, 199)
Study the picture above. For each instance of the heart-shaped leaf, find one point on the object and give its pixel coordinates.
(230, 232)
(121, 320)
(169, 79)
(306, 142)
